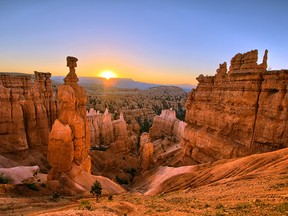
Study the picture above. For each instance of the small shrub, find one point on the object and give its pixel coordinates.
(219, 212)
(207, 205)
(85, 204)
(5, 179)
(240, 206)
(132, 171)
(279, 186)
(121, 181)
(43, 185)
(55, 197)
(283, 208)
(32, 186)
(219, 206)
(110, 197)
(96, 189)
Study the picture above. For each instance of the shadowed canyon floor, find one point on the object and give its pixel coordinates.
(254, 185)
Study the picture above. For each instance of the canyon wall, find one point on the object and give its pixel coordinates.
(27, 112)
(237, 112)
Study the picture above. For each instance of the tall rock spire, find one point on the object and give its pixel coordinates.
(69, 140)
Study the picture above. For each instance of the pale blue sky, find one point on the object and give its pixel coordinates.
(160, 41)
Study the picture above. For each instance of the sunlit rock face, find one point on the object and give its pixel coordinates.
(236, 113)
(113, 147)
(167, 125)
(69, 140)
(166, 136)
(146, 152)
(101, 127)
(113, 135)
(27, 111)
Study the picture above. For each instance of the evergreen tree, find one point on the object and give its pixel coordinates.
(96, 189)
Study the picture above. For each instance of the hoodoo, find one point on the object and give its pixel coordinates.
(27, 111)
(69, 142)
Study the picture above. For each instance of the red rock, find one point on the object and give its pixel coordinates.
(146, 152)
(69, 140)
(237, 113)
(27, 111)
(167, 125)
(110, 134)
(60, 149)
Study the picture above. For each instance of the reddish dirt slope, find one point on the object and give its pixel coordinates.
(257, 167)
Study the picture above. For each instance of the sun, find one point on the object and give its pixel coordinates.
(108, 74)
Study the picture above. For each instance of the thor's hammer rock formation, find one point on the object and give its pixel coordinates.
(69, 140)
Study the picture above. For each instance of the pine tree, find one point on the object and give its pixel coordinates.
(96, 189)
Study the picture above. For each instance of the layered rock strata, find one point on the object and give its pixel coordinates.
(146, 152)
(69, 140)
(27, 111)
(239, 112)
(166, 135)
(167, 125)
(109, 134)
(113, 147)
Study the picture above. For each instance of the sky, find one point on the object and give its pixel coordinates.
(156, 41)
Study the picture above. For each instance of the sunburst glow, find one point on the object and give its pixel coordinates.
(108, 74)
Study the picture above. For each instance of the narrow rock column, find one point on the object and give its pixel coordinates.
(69, 140)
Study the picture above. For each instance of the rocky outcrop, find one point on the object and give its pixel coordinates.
(237, 113)
(247, 62)
(139, 107)
(69, 140)
(166, 136)
(20, 174)
(146, 152)
(101, 128)
(27, 111)
(109, 134)
(113, 147)
(167, 125)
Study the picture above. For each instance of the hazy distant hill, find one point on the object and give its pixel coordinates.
(121, 83)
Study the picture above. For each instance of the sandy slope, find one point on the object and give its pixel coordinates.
(254, 185)
(168, 179)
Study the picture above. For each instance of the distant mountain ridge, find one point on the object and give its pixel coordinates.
(122, 83)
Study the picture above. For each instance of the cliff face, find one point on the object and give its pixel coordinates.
(238, 112)
(27, 111)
